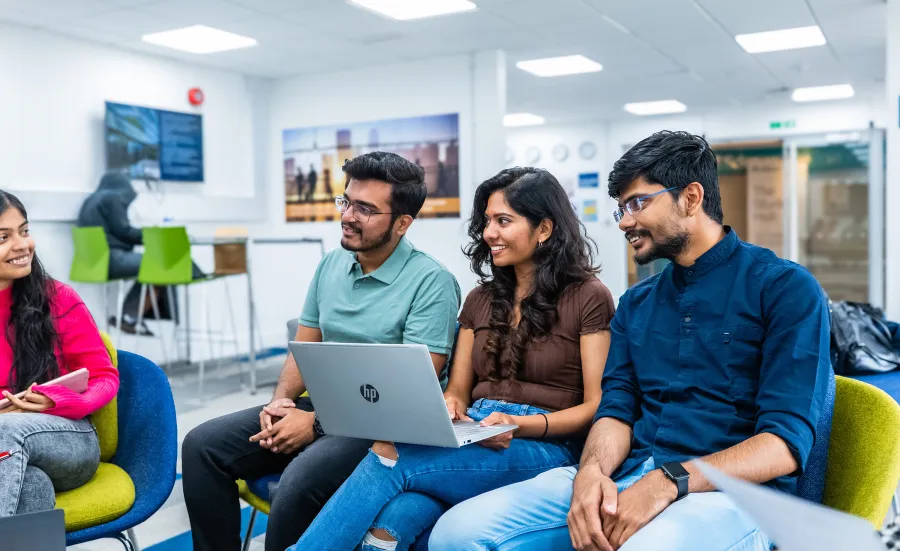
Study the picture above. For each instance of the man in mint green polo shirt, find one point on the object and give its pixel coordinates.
(377, 289)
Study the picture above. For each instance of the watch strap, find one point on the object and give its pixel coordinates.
(317, 426)
(675, 472)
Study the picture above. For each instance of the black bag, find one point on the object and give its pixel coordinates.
(861, 341)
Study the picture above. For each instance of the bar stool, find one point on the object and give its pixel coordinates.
(90, 264)
(167, 262)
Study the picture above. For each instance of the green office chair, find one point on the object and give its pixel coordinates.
(167, 262)
(864, 451)
(90, 264)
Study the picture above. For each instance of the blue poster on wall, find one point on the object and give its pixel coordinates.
(589, 180)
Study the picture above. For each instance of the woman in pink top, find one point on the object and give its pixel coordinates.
(47, 441)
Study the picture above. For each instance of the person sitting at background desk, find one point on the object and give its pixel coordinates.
(379, 290)
(108, 208)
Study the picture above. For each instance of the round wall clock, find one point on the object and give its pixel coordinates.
(587, 150)
(532, 155)
(560, 153)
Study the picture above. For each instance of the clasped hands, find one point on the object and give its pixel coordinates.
(603, 519)
(284, 428)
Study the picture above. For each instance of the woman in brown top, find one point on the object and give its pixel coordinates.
(531, 349)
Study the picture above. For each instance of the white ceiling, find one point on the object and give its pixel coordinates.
(650, 49)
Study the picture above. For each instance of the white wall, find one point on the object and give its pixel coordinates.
(722, 125)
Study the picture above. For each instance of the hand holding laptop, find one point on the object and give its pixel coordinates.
(501, 441)
(456, 409)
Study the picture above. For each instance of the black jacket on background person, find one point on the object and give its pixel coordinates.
(108, 207)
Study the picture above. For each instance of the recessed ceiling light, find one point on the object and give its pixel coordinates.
(784, 39)
(404, 10)
(662, 107)
(199, 39)
(513, 120)
(560, 66)
(820, 93)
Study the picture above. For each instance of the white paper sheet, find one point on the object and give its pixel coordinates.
(795, 524)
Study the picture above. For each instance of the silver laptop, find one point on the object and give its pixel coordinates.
(44, 531)
(795, 524)
(384, 392)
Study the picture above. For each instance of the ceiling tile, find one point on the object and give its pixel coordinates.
(856, 30)
(463, 25)
(759, 15)
(539, 13)
(56, 10)
(348, 21)
(131, 24)
(276, 7)
(131, 3)
(199, 12)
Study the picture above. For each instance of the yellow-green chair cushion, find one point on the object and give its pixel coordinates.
(864, 451)
(106, 419)
(106, 497)
(252, 499)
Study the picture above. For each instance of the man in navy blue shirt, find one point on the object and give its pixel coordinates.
(722, 356)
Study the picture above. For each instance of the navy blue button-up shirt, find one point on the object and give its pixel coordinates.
(706, 356)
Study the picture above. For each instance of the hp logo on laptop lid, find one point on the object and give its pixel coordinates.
(369, 393)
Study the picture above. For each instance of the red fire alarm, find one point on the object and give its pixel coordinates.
(195, 96)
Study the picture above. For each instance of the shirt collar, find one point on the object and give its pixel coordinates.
(719, 253)
(388, 272)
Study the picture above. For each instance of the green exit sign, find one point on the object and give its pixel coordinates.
(778, 125)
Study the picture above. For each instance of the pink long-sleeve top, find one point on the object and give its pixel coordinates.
(79, 345)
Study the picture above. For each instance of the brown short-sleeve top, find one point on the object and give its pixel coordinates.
(550, 376)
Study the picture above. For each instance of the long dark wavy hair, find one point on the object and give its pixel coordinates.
(566, 258)
(31, 332)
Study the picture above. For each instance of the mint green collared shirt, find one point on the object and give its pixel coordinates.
(411, 299)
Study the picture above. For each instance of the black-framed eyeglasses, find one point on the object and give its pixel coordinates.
(360, 212)
(636, 205)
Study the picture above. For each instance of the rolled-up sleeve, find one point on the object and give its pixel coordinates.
(794, 374)
(621, 397)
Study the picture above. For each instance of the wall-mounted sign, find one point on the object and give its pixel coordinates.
(589, 180)
(778, 125)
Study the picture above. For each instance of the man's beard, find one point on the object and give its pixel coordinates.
(367, 245)
(669, 248)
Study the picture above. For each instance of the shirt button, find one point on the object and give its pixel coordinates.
(690, 272)
(688, 331)
(356, 286)
(687, 319)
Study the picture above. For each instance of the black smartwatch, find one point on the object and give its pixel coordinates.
(675, 472)
(317, 426)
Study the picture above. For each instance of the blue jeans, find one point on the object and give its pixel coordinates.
(49, 454)
(531, 515)
(406, 497)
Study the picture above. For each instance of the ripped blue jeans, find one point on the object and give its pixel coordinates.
(405, 498)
